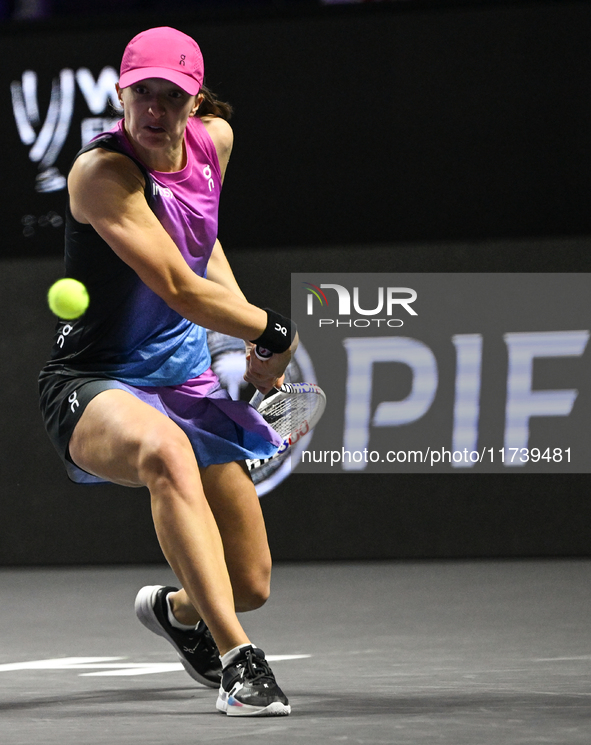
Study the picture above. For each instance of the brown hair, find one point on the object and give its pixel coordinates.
(211, 106)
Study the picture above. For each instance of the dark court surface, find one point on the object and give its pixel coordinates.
(459, 653)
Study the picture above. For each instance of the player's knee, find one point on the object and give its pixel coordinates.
(164, 454)
(257, 596)
(254, 589)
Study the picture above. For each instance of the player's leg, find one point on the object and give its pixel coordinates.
(248, 686)
(237, 510)
(122, 439)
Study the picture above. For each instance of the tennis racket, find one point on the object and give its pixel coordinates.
(293, 411)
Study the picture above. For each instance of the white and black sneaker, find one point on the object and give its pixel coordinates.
(249, 688)
(196, 649)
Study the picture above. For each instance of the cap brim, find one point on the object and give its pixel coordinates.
(186, 82)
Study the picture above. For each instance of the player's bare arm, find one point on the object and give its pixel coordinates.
(107, 191)
(220, 271)
(262, 374)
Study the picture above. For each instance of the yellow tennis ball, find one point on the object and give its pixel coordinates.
(68, 298)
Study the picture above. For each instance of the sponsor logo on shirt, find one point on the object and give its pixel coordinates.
(208, 176)
(162, 191)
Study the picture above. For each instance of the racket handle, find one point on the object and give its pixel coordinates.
(258, 397)
(256, 400)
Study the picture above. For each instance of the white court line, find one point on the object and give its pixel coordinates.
(150, 668)
(109, 666)
(563, 659)
(59, 663)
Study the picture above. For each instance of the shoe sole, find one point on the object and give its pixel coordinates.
(144, 610)
(276, 709)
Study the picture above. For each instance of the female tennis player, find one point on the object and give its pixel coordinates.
(128, 395)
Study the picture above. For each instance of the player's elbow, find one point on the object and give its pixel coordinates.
(183, 302)
(180, 294)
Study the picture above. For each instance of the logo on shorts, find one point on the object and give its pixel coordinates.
(73, 401)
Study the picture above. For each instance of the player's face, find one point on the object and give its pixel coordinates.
(156, 113)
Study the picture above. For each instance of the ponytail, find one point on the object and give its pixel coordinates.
(211, 106)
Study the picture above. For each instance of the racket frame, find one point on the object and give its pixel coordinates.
(285, 391)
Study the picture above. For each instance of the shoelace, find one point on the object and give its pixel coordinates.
(211, 646)
(252, 663)
(202, 640)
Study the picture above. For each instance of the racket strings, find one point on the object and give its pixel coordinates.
(288, 414)
(292, 413)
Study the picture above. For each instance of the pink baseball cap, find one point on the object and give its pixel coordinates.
(163, 52)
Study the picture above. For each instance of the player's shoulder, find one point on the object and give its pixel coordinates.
(100, 165)
(222, 137)
(220, 132)
(219, 129)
